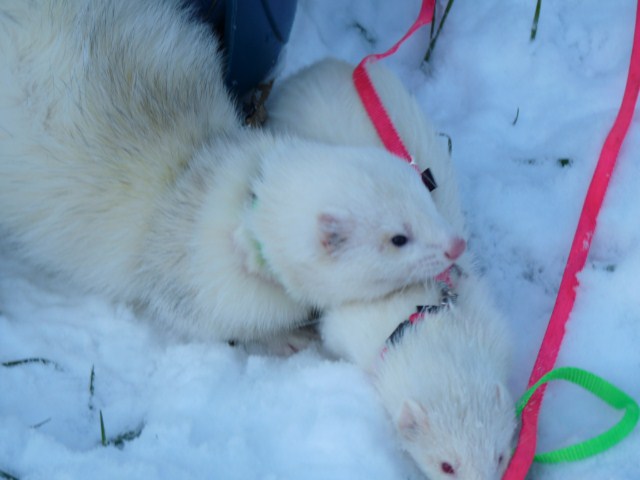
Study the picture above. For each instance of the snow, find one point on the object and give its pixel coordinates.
(214, 411)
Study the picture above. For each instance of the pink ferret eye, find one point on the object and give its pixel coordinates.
(447, 468)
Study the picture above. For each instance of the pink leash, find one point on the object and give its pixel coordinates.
(525, 451)
(370, 99)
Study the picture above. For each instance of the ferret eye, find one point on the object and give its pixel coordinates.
(399, 240)
(500, 459)
(447, 468)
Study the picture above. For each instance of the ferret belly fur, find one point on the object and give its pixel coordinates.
(443, 382)
(124, 169)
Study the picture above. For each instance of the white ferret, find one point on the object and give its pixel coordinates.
(442, 380)
(124, 168)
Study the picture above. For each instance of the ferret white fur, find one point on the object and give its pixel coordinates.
(443, 382)
(321, 103)
(124, 168)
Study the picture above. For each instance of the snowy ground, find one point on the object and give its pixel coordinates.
(212, 411)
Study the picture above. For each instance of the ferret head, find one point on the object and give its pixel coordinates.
(460, 437)
(338, 224)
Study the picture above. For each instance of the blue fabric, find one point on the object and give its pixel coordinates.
(253, 33)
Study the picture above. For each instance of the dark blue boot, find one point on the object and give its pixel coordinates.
(253, 33)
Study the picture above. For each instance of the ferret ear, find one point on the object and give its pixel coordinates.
(334, 232)
(413, 420)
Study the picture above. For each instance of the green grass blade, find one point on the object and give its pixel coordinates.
(433, 23)
(536, 16)
(515, 120)
(91, 386)
(434, 39)
(27, 361)
(103, 435)
(91, 379)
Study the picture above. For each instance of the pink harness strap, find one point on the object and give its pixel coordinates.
(554, 334)
(370, 99)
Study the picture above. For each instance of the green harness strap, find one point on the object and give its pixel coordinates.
(601, 389)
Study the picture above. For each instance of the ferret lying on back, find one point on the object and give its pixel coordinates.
(124, 169)
(442, 379)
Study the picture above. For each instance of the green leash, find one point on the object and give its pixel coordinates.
(601, 389)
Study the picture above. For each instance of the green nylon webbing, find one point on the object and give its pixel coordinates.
(606, 392)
